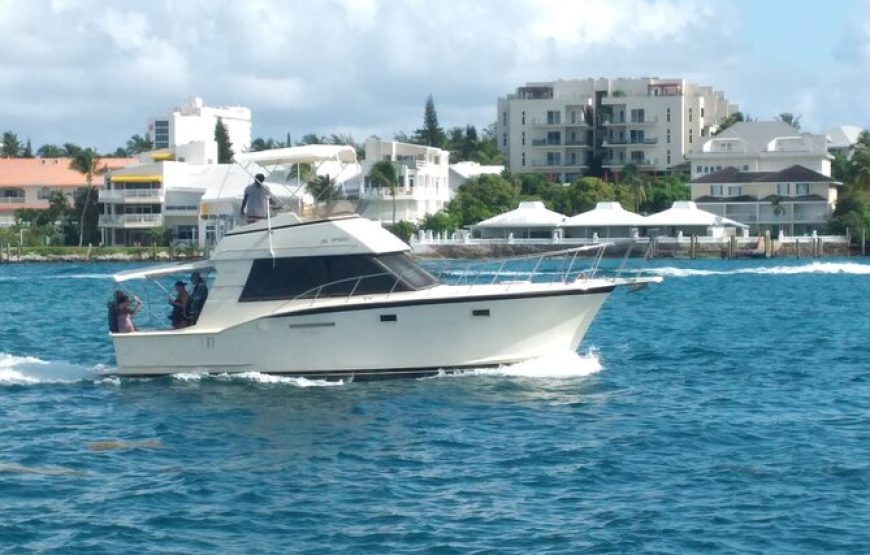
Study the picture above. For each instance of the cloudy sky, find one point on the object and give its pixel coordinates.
(92, 72)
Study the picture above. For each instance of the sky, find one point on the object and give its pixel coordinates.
(92, 72)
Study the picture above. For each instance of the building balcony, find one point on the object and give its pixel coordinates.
(645, 164)
(559, 164)
(410, 193)
(131, 221)
(578, 144)
(545, 142)
(11, 200)
(181, 211)
(132, 196)
(623, 122)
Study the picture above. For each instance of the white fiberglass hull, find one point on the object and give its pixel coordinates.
(398, 335)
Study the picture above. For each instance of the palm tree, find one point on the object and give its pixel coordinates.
(383, 174)
(137, 144)
(50, 151)
(631, 177)
(11, 146)
(87, 162)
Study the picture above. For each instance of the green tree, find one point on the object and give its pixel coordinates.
(311, 139)
(791, 119)
(138, 143)
(729, 121)
(28, 150)
(11, 146)
(632, 178)
(404, 230)
(662, 192)
(225, 147)
(87, 162)
(482, 197)
(50, 151)
(441, 221)
(71, 149)
(431, 133)
(160, 236)
(383, 174)
(323, 188)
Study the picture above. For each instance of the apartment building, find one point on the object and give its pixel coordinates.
(761, 146)
(566, 129)
(424, 184)
(29, 182)
(192, 125)
(794, 201)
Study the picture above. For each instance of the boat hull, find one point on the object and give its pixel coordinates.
(391, 338)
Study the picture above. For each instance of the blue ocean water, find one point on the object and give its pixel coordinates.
(724, 410)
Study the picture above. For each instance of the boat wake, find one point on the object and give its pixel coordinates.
(566, 364)
(852, 268)
(18, 370)
(259, 378)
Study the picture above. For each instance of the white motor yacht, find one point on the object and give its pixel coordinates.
(341, 297)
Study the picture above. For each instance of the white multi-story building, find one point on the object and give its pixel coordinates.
(565, 129)
(424, 186)
(761, 146)
(168, 194)
(189, 130)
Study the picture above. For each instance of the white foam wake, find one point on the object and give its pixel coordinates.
(258, 377)
(852, 268)
(567, 364)
(17, 370)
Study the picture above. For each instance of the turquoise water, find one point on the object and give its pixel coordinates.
(725, 410)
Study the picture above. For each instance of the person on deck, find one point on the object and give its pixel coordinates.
(126, 310)
(178, 317)
(256, 199)
(197, 297)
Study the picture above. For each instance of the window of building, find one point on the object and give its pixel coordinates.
(44, 193)
(554, 117)
(554, 138)
(554, 158)
(523, 139)
(782, 189)
(504, 139)
(637, 116)
(504, 118)
(702, 111)
(802, 188)
(669, 157)
(668, 136)
(716, 190)
(690, 114)
(735, 190)
(746, 167)
(523, 159)
(698, 169)
(637, 157)
(690, 135)
(668, 115)
(523, 118)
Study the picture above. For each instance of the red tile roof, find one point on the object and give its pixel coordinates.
(50, 172)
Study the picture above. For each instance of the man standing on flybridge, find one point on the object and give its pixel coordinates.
(256, 199)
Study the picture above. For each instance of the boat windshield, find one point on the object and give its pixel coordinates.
(333, 276)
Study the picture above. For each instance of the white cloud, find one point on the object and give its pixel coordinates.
(367, 65)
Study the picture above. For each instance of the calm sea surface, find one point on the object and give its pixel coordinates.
(726, 410)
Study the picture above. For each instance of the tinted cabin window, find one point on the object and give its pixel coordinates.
(401, 265)
(287, 278)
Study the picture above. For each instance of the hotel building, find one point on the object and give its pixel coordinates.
(566, 129)
(194, 123)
